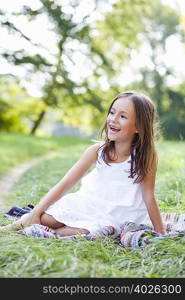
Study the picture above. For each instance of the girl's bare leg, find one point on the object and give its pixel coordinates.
(67, 230)
(47, 220)
(61, 228)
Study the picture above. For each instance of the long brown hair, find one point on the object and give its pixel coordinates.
(143, 152)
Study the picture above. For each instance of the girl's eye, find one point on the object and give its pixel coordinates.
(122, 116)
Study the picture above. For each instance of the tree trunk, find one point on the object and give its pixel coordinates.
(38, 122)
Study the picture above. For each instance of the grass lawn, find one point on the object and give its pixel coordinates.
(29, 257)
(16, 149)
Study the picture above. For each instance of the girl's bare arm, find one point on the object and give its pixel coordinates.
(69, 180)
(148, 186)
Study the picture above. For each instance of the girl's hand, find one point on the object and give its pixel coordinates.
(29, 219)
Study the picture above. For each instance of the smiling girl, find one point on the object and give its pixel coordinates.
(121, 186)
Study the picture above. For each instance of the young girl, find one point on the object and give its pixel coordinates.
(121, 186)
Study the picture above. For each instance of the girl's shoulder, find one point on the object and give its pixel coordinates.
(96, 147)
(97, 144)
(90, 155)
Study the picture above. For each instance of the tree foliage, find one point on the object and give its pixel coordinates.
(106, 46)
(18, 109)
(117, 34)
(161, 24)
(57, 75)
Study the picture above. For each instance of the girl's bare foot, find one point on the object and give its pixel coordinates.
(17, 225)
(67, 231)
(23, 222)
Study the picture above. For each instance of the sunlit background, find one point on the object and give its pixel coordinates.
(58, 80)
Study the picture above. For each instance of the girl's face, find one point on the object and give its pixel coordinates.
(121, 120)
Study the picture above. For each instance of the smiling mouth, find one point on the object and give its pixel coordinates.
(114, 130)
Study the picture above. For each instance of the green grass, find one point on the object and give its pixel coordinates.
(170, 183)
(29, 257)
(16, 149)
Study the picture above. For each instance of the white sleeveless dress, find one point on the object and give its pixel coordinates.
(106, 197)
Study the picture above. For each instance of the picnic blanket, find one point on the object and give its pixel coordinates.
(128, 235)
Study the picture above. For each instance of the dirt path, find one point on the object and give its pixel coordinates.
(9, 180)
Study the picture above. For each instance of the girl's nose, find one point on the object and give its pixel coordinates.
(114, 118)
